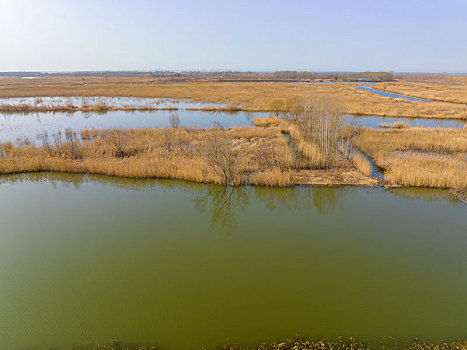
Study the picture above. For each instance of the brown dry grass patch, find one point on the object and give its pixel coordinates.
(249, 96)
(431, 157)
(257, 156)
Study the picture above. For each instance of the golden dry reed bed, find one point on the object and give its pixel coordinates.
(249, 96)
(275, 154)
(103, 108)
(258, 156)
(429, 157)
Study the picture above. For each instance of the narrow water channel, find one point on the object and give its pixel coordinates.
(390, 94)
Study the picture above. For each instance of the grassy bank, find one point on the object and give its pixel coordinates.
(430, 157)
(298, 343)
(248, 96)
(277, 153)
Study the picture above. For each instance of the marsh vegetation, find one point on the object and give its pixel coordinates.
(432, 157)
(309, 143)
(247, 96)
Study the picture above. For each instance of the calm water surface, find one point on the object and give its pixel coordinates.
(14, 126)
(375, 122)
(80, 101)
(86, 259)
(18, 126)
(390, 94)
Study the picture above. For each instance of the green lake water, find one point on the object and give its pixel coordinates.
(90, 259)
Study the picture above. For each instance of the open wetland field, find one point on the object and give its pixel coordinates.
(139, 213)
(233, 175)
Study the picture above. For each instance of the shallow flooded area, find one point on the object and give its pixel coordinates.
(80, 101)
(17, 126)
(183, 265)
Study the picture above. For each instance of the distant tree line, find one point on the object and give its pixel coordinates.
(168, 76)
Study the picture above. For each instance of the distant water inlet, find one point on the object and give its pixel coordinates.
(182, 265)
(390, 94)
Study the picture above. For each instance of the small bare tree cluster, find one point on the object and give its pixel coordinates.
(221, 157)
(176, 140)
(117, 140)
(322, 122)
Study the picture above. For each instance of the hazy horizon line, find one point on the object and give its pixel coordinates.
(227, 70)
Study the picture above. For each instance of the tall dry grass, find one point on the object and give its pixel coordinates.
(432, 157)
(428, 171)
(258, 156)
(361, 163)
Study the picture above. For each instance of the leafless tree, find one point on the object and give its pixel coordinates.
(322, 122)
(219, 152)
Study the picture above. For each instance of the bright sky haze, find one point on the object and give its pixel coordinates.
(316, 35)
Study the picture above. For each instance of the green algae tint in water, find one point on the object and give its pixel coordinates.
(179, 265)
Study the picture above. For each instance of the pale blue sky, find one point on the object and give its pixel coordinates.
(329, 35)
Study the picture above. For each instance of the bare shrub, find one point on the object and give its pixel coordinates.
(46, 144)
(67, 147)
(168, 139)
(118, 141)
